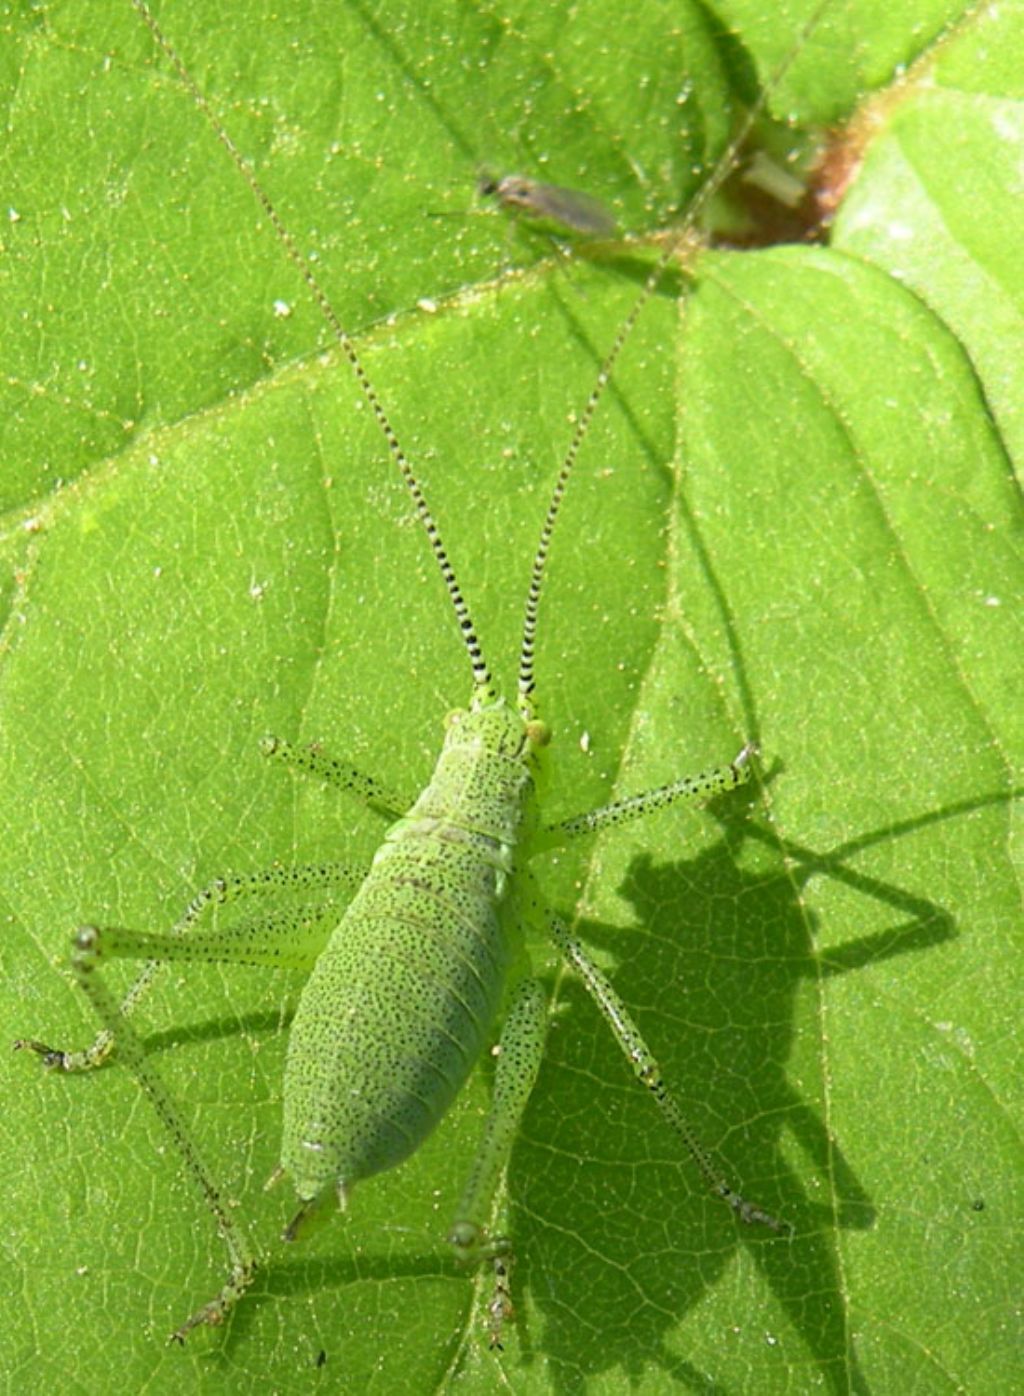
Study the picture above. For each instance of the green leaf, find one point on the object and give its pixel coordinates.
(794, 519)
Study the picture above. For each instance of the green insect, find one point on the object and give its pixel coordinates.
(428, 961)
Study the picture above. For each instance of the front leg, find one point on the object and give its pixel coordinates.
(313, 761)
(687, 789)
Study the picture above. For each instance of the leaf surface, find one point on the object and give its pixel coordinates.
(796, 519)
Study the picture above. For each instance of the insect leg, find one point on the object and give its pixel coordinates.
(312, 761)
(648, 1072)
(305, 877)
(520, 1050)
(699, 787)
(88, 951)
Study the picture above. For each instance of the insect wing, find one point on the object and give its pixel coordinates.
(569, 207)
(575, 209)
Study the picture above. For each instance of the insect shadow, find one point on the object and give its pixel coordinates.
(718, 957)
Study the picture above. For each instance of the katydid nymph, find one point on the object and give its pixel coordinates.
(427, 965)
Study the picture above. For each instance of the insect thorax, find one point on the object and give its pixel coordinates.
(484, 786)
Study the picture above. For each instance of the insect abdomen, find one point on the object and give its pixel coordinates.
(395, 1013)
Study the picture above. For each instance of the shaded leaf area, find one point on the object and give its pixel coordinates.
(796, 519)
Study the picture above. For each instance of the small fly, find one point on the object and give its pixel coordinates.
(550, 203)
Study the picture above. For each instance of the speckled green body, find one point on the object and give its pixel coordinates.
(404, 997)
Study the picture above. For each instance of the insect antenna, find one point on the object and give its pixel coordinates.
(483, 687)
(703, 197)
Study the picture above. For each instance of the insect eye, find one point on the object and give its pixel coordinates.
(538, 733)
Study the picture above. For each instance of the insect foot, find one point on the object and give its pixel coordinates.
(472, 1248)
(214, 1313)
(500, 1309)
(53, 1058)
(750, 1212)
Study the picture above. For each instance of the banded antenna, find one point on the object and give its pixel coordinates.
(701, 199)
